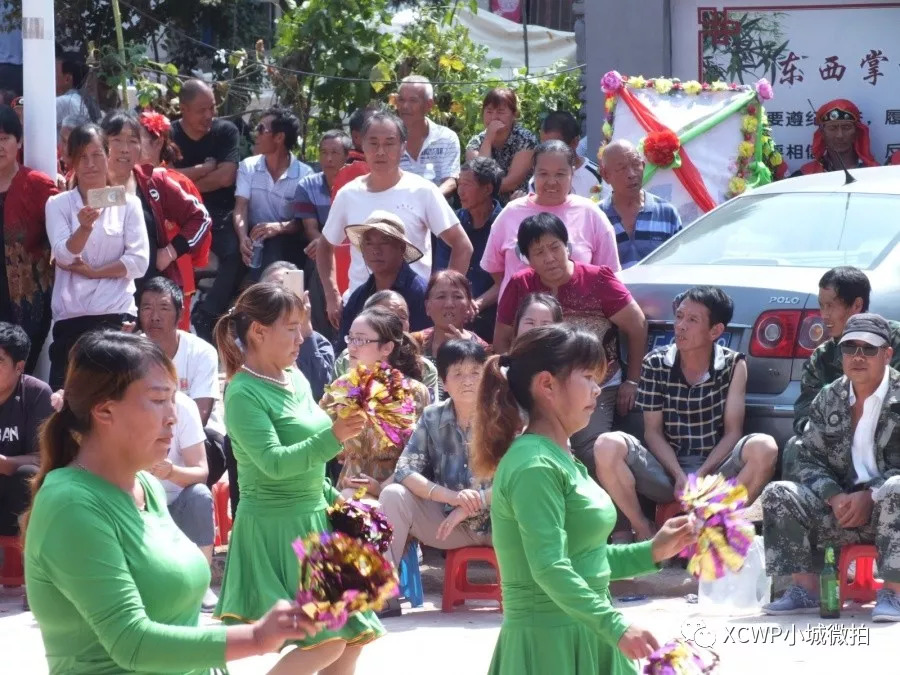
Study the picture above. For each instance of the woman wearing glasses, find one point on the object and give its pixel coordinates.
(264, 194)
(377, 336)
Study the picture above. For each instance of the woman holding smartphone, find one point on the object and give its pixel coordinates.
(99, 252)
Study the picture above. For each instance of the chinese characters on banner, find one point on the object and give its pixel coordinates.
(811, 55)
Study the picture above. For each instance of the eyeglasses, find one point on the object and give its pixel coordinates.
(848, 349)
(262, 129)
(360, 342)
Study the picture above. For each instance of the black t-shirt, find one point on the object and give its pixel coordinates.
(221, 143)
(150, 221)
(22, 414)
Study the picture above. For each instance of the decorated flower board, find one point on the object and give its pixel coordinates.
(703, 142)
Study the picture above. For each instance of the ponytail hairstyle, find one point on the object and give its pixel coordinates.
(102, 365)
(263, 303)
(505, 389)
(388, 327)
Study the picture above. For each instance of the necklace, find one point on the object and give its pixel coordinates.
(80, 465)
(283, 382)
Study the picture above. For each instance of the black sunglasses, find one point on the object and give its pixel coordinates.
(848, 349)
(262, 129)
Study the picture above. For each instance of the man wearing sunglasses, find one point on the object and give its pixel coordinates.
(847, 488)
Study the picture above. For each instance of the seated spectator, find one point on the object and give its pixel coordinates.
(847, 485)
(316, 358)
(537, 309)
(184, 473)
(504, 140)
(396, 305)
(591, 297)
(843, 292)
(449, 305)
(414, 201)
(377, 336)
(432, 150)
(387, 252)
(99, 253)
(312, 204)
(562, 126)
(642, 221)
(478, 189)
(264, 193)
(434, 496)
(692, 394)
(591, 236)
(24, 405)
(196, 363)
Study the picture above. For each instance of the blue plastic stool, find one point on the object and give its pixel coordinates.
(410, 577)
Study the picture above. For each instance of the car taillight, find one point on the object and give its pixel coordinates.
(787, 333)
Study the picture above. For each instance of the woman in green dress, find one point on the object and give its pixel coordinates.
(281, 441)
(550, 521)
(113, 583)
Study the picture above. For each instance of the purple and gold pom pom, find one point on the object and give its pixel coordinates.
(362, 521)
(725, 533)
(681, 657)
(340, 575)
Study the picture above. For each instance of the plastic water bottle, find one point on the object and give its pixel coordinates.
(256, 255)
(429, 174)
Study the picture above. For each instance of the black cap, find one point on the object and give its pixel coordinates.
(872, 329)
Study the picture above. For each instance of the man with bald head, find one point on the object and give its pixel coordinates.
(642, 221)
(210, 156)
(432, 150)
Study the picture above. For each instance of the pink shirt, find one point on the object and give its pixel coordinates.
(591, 236)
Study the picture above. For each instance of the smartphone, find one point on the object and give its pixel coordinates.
(293, 279)
(101, 198)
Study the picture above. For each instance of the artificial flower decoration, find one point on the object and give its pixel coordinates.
(745, 149)
(607, 130)
(660, 147)
(775, 159)
(681, 657)
(764, 90)
(692, 87)
(612, 82)
(383, 395)
(609, 104)
(340, 575)
(154, 122)
(725, 533)
(749, 124)
(636, 82)
(736, 186)
(362, 521)
(718, 85)
(663, 86)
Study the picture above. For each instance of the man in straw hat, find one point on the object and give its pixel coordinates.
(388, 254)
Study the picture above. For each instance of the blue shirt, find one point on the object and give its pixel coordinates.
(316, 362)
(656, 222)
(312, 199)
(408, 284)
(439, 451)
(481, 281)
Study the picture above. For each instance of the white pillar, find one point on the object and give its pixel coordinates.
(39, 85)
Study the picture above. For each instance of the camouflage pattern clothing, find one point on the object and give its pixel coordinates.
(796, 519)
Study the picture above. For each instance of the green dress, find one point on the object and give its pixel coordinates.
(550, 523)
(115, 589)
(281, 441)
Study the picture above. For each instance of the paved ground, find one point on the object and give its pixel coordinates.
(462, 642)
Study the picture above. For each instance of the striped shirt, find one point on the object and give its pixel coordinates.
(693, 415)
(656, 222)
(312, 199)
(440, 150)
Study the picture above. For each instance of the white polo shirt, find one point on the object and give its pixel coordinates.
(417, 202)
(440, 149)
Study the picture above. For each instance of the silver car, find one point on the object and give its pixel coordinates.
(767, 249)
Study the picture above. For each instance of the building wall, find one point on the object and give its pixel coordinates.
(631, 36)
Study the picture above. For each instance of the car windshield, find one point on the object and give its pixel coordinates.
(790, 230)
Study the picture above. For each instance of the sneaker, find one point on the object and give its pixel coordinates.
(795, 600)
(210, 600)
(887, 606)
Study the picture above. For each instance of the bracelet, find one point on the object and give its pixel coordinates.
(172, 252)
(433, 488)
(632, 382)
(484, 503)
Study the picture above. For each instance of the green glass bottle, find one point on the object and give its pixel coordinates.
(829, 590)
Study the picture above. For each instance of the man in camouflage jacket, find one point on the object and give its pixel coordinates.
(847, 488)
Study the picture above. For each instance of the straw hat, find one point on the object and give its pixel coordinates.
(387, 223)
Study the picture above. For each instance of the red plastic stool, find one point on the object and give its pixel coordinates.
(666, 511)
(864, 584)
(221, 511)
(457, 587)
(12, 573)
